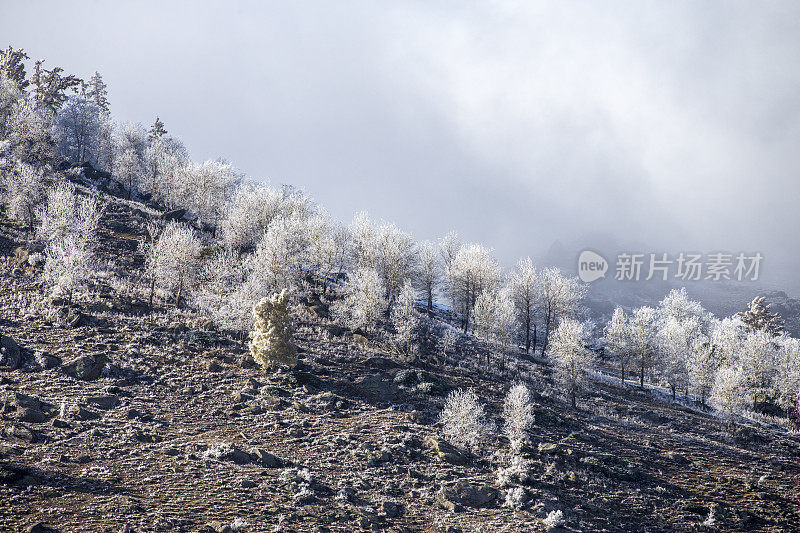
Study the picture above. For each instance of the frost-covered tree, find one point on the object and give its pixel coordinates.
(68, 264)
(363, 302)
(518, 415)
(560, 296)
(428, 271)
(463, 419)
(571, 357)
(729, 391)
(12, 66)
(28, 133)
(10, 94)
(678, 306)
(703, 366)
(77, 130)
(676, 341)
(472, 271)
(130, 146)
(757, 358)
(617, 342)
(523, 283)
(726, 337)
(97, 91)
(404, 318)
(157, 130)
(174, 259)
(493, 319)
(23, 191)
(643, 332)
(207, 188)
(386, 249)
(65, 213)
(280, 256)
(328, 247)
(272, 341)
(50, 86)
(757, 317)
(787, 373)
(220, 276)
(253, 207)
(164, 157)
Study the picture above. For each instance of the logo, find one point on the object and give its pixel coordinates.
(591, 266)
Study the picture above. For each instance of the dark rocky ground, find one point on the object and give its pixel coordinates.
(115, 420)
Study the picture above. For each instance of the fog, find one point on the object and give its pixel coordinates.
(658, 126)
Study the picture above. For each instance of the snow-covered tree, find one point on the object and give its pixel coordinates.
(10, 94)
(384, 248)
(757, 358)
(164, 157)
(97, 91)
(272, 341)
(77, 129)
(253, 207)
(493, 319)
(207, 188)
(68, 263)
(404, 318)
(787, 373)
(428, 271)
(473, 270)
(617, 342)
(729, 391)
(65, 213)
(559, 296)
(12, 66)
(328, 247)
(28, 133)
(571, 357)
(220, 277)
(677, 305)
(523, 283)
(726, 336)
(23, 191)
(363, 302)
(280, 255)
(643, 333)
(50, 86)
(157, 130)
(703, 366)
(463, 419)
(757, 317)
(174, 259)
(130, 145)
(676, 342)
(517, 415)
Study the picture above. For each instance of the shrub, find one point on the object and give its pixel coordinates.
(272, 343)
(463, 419)
(554, 519)
(518, 415)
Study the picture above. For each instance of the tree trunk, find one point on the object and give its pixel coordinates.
(533, 340)
(152, 292)
(641, 375)
(178, 296)
(528, 330)
(673, 393)
(622, 367)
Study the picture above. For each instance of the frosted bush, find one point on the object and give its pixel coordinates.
(516, 498)
(554, 519)
(517, 415)
(518, 471)
(463, 419)
(272, 341)
(364, 300)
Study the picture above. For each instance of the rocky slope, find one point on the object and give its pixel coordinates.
(114, 419)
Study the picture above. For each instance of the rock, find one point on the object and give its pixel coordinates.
(548, 448)
(360, 339)
(38, 527)
(29, 414)
(175, 214)
(79, 412)
(24, 400)
(61, 424)
(390, 509)
(47, 361)
(264, 458)
(105, 402)
(375, 387)
(466, 494)
(10, 474)
(446, 451)
(213, 366)
(10, 353)
(249, 484)
(19, 433)
(86, 367)
(75, 318)
(241, 397)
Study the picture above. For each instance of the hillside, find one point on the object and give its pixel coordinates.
(115, 418)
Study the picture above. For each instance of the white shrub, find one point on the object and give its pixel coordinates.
(67, 266)
(729, 390)
(463, 419)
(554, 519)
(174, 259)
(518, 471)
(272, 339)
(404, 317)
(517, 415)
(516, 498)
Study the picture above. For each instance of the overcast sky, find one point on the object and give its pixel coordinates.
(671, 124)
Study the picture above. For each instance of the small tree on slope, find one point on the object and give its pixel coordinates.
(272, 341)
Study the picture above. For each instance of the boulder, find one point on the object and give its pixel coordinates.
(446, 451)
(175, 214)
(79, 412)
(264, 458)
(466, 494)
(10, 353)
(105, 402)
(19, 433)
(375, 387)
(86, 367)
(29, 414)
